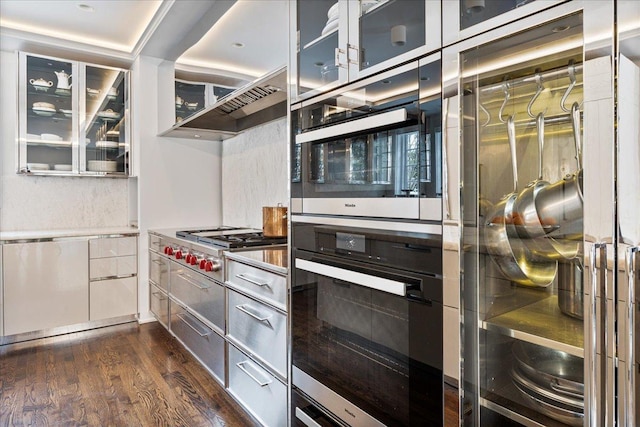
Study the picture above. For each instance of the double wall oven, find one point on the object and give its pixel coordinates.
(366, 281)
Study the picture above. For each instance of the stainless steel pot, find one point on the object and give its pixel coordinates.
(570, 289)
(515, 261)
(560, 205)
(274, 221)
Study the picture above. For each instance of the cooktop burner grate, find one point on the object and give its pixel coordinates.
(230, 237)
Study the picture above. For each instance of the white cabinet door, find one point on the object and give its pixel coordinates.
(46, 285)
(113, 298)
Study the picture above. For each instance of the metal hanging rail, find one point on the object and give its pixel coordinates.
(558, 72)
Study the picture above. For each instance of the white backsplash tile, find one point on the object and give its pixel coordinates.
(254, 173)
(49, 203)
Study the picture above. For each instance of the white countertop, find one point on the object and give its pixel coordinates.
(8, 236)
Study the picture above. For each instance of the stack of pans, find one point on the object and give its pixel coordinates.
(552, 381)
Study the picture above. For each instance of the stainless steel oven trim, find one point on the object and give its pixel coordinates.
(389, 207)
(376, 224)
(335, 403)
(358, 125)
(366, 280)
(305, 419)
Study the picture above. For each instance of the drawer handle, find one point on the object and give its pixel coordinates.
(159, 295)
(157, 261)
(306, 419)
(183, 318)
(190, 281)
(247, 309)
(246, 278)
(263, 383)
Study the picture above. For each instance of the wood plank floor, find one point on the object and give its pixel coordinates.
(125, 375)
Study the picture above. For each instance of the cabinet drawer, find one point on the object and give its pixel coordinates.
(155, 243)
(265, 285)
(159, 304)
(201, 340)
(257, 390)
(121, 266)
(260, 329)
(159, 270)
(200, 294)
(112, 246)
(113, 298)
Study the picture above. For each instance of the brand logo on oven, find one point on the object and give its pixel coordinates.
(349, 412)
(349, 205)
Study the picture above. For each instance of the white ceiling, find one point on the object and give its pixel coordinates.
(198, 34)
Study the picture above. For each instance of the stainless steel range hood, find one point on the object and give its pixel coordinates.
(258, 102)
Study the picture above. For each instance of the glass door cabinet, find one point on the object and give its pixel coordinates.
(339, 41)
(72, 118)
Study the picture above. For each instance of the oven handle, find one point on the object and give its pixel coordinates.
(354, 126)
(366, 280)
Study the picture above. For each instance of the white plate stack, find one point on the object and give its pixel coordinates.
(332, 19)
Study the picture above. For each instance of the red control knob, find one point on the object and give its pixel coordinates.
(187, 258)
(178, 254)
(203, 264)
(168, 250)
(208, 266)
(193, 260)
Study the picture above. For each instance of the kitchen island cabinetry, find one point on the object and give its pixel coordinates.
(257, 332)
(341, 41)
(64, 281)
(72, 118)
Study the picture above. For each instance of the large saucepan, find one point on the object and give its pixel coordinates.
(532, 230)
(515, 261)
(561, 204)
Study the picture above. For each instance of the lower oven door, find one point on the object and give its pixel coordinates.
(367, 344)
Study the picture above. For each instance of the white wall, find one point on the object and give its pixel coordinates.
(179, 180)
(254, 173)
(47, 203)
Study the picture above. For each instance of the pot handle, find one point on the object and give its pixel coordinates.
(511, 134)
(540, 127)
(632, 255)
(575, 124)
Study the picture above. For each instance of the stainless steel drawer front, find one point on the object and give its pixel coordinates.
(155, 243)
(260, 329)
(265, 285)
(159, 304)
(258, 391)
(159, 270)
(201, 340)
(200, 294)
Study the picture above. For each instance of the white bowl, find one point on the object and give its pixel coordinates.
(333, 11)
(62, 167)
(50, 137)
(44, 105)
(46, 112)
(102, 165)
(38, 166)
(107, 144)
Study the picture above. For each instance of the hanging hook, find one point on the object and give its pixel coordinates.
(537, 94)
(572, 83)
(484, 110)
(505, 89)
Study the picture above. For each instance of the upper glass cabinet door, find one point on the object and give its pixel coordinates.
(466, 18)
(344, 40)
(47, 130)
(321, 31)
(71, 118)
(103, 120)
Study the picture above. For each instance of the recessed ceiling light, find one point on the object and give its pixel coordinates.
(196, 136)
(237, 45)
(84, 7)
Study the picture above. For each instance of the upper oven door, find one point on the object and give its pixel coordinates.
(372, 149)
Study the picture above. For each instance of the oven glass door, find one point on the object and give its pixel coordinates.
(371, 337)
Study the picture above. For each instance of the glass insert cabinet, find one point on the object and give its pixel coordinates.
(72, 118)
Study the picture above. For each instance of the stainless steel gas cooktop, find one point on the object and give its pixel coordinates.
(230, 237)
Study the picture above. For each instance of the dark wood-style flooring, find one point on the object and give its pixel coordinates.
(125, 375)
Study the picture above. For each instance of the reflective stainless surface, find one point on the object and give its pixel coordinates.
(259, 329)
